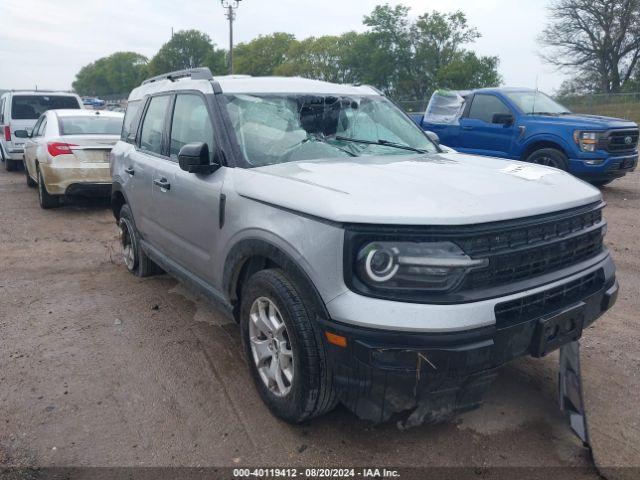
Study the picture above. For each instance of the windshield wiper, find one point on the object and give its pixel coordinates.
(385, 143)
(321, 138)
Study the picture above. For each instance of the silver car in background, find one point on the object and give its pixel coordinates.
(67, 153)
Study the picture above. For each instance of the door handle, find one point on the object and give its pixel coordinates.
(467, 127)
(162, 183)
(130, 171)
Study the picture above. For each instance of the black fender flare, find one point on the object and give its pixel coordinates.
(116, 192)
(252, 255)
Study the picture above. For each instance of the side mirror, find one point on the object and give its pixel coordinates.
(503, 119)
(194, 158)
(21, 134)
(433, 136)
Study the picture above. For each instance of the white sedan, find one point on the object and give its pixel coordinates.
(67, 153)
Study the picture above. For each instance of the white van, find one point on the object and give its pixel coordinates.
(19, 110)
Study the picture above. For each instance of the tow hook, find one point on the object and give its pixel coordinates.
(570, 391)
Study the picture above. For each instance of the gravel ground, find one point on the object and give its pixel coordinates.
(99, 368)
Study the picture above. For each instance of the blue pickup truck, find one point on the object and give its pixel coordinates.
(526, 124)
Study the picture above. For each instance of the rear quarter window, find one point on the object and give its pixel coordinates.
(30, 107)
(130, 115)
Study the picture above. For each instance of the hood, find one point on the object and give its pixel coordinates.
(434, 189)
(580, 121)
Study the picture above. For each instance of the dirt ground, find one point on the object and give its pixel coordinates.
(100, 368)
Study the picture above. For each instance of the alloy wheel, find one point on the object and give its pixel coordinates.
(271, 347)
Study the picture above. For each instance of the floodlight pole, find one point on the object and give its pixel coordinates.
(230, 6)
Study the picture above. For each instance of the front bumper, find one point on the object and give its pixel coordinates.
(73, 177)
(610, 169)
(436, 375)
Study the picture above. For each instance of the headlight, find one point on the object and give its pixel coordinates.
(434, 266)
(587, 141)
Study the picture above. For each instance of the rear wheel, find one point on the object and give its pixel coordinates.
(284, 349)
(44, 198)
(549, 157)
(9, 165)
(133, 255)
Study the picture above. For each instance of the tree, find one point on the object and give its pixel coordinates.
(412, 59)
(329, 58)
(263, 55)
(595, 36)
(186, 49)
(116, 74)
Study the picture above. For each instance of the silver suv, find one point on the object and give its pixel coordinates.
(364, 263)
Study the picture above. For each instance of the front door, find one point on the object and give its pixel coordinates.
(478, 133)
(186, 205)
(32, 146)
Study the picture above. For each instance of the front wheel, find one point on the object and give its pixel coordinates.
(549, 157)
(284, 349)
(30, 181)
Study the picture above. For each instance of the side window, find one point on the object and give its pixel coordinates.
(36, 127)
(43, 127)
(484, 107)
(2, 111)
(129, 117)
(153, 125)
(191, 123)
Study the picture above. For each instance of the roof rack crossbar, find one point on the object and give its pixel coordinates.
(202, 73)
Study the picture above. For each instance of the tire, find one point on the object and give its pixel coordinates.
(309, 392)
(30, 182)
(46, 201)
(134, 256)
(600, 183)
(549, 157)
(10, 165)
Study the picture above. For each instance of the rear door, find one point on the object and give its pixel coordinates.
(186, 205)
(140, 163)
(478, 133)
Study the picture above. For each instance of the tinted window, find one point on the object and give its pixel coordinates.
(93, 125)
(484, 107)
(191, 123)
(153, 125)
(30, 107)
(129, 117)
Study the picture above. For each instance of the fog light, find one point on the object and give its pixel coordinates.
(594, 162)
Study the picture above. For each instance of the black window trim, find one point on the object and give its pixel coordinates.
(164, 127)
(215, 150)
(471, 99)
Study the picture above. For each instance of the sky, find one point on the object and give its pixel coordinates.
(45, 42)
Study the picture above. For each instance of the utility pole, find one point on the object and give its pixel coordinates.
(230, 6)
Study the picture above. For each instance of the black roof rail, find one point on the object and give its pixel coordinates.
(202, 73)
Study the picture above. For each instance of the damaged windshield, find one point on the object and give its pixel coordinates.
(286, 128)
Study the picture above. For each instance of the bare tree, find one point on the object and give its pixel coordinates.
(598, 38)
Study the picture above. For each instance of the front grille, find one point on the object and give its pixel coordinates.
(533, 250)
(536, 261)
(620, 141)
(549, 301)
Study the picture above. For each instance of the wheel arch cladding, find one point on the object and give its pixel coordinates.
(252, 255)
(117, 200)
(541, 144)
